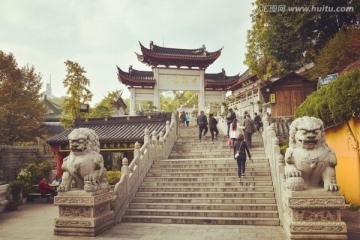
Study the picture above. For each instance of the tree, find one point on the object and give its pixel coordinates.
(171, 103)
(284, 39)
(76, 83)
(338, 53)
(105, 107)
(21, 110)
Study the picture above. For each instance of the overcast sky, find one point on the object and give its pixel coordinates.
(103, 34)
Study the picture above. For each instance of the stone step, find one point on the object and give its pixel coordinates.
(226, 164)
(202, 220)
(205, 206)
(205, 174)
(203, 213)
(212, 179)
(192, 200)
(239, 188)
(246, 182)
(209, 169)
(242, 194)
(203, 161)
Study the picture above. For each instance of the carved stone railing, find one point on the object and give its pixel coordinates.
(222, 125)
(276, 160)
(155, 147)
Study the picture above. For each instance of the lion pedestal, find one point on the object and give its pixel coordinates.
(313, 214)
(83, 213)
(83, 196)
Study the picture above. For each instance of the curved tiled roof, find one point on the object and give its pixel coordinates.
(146, 78)
(125, 128)
(156, 55)
(219, 80)
(136, 77)
(244, 80)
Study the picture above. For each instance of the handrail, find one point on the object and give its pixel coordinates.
(155, 147)
(276, 160)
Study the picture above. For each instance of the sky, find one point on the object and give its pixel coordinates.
(102, 34)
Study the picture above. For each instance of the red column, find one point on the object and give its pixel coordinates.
(59, 162)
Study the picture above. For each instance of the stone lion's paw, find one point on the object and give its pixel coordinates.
(332, 186)
(292, 171)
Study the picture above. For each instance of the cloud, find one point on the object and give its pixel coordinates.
(100, 34)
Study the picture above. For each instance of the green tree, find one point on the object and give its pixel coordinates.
(171, 102)
(283, 40)
(76, 84)
(105, 107)
(21, 111)
(338, 53)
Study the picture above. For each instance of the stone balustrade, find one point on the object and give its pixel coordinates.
(156, 146)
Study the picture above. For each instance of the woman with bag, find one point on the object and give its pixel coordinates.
(240, 150)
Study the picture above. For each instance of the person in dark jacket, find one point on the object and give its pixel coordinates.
(229, 119)
(183, 118)
(257, 122)
(240, 150)
(212, 126)
(249, 129)
(202, 123)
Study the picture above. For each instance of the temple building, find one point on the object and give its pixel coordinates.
(176, 69)
(117, 136)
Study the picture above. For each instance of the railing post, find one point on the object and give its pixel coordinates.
(161, 136)
(167, 127)
(137, 150)
(146, 135)
(154, 135)
(125, 173)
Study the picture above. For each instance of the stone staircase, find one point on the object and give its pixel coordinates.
(198, 185)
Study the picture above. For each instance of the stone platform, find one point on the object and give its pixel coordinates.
(314, 214)
(83, 213)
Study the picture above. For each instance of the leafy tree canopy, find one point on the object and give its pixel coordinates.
(283, 40)
(78, 93)
(105, 108)
(338, 53)
(21, 110)
(172, 102)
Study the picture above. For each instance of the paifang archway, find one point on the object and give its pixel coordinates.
(176, 69)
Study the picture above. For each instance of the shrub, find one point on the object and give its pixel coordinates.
(15, 188)
(336, 102)
(113, 177)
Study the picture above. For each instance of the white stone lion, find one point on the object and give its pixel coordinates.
(84, 165)
(309, 161)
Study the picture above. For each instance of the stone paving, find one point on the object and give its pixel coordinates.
(36, 221)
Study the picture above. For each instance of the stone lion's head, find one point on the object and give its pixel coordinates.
(307, 133)
(82, 140)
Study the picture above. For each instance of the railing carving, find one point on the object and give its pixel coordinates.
(155, 147)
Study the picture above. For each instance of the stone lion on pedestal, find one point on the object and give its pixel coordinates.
(84, 165)
(309, 162)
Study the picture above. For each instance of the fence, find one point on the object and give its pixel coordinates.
(156, 146)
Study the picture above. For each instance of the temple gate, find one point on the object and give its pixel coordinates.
(176, 69)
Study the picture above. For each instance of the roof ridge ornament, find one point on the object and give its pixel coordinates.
(204, 50)
(151, 45)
